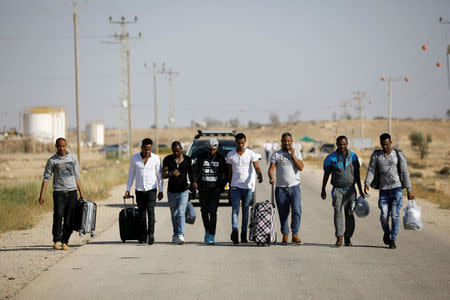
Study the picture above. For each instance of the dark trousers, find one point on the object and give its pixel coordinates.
(209, 201)
(63, 205)
(146, 205)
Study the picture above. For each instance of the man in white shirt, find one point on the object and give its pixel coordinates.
(146, 168)
(240, 169)
(267, 148)
(288, 163)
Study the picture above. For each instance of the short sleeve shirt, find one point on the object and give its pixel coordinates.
(287, 173)
(242, 168)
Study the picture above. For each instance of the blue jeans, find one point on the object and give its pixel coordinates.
(238, 194)
(289, 198)
(177, 203)
(390, 202)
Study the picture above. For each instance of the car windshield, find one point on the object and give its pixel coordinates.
(199, 147)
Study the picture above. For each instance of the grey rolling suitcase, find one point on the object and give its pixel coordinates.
(85, 216)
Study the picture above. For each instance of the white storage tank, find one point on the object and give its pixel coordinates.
(95, 133)
(45, 123)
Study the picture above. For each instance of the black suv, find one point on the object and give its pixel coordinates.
(226, 144)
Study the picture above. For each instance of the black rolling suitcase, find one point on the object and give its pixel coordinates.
(129, 222)
(84, 217)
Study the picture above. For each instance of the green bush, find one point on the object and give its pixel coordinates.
(420, 143)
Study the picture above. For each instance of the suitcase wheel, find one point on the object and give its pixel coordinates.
(92, 234)
(81, 233)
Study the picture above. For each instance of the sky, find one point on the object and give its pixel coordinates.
(236, 59)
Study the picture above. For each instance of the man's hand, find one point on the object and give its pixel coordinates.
(160, 196)
(127, 195)
(292, 151)
(260, 179)
(82, 195)
(271, 180)
(410, 196)
(41, 200)
(323, 195)
(366, 189)
(176, 173)
(194, 185)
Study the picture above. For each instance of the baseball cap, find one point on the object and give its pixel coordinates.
(212, 144)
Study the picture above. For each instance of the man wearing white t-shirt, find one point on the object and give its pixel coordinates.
(240, 169)
(267, 148)
(288, 163)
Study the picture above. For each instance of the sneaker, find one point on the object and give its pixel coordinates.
(174, 239)
(151, 239)
(244, 237)
(386, 238)
(234, 236)
(339, 241)
(180, 239)
(207, 237)
(65, 247)
(347, 242)
(57, 246)
(296, 239)
(212, 240)
(285, 239)
(392, 245)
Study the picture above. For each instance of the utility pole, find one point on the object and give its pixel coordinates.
(125, 91)
(156, 69)
(171, 74)
(359, 96)
(76, 7)
(390, 80)
(442, 21)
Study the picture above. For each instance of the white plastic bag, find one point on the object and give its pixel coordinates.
(412, 216)
(362, 208)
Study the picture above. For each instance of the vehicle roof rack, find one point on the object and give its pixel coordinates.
(214, 133)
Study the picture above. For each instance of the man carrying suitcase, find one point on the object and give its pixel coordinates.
(240, 170)
(343, 165)
(66, 180)
(209, 178)
(146, 168)
(288, 163)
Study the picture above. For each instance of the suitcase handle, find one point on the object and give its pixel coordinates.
(273, 193)
(125, 202)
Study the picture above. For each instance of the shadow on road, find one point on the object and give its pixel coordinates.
(35, 248)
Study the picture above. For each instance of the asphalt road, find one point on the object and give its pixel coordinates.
(105, 268)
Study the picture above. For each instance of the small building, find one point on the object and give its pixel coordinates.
(45, 123)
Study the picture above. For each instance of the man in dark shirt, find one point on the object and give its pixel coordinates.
(209, 178)
(177, 167)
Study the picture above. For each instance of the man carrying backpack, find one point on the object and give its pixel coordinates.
(388, 172)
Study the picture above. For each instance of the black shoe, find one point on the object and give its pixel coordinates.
(151, 239)
(142, 242)
(347, 242)
(392, 245)
(234, 237)
(244, 237)
(386, 238)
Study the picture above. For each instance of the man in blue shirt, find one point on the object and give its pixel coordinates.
(343, 165)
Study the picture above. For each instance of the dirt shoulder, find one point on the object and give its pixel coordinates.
(26, 254)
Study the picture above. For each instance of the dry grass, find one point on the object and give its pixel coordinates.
(19, 206)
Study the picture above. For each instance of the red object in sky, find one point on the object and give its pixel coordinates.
(406, 79)
(383, 79)
(424, 47)
(438, 64)
(370, 102)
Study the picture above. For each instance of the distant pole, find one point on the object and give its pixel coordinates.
(390, 107)
(77, 97)
(155, 97)
(129, 103)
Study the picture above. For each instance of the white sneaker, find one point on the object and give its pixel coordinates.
(180, 240)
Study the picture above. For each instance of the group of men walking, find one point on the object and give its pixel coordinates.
(211, 172)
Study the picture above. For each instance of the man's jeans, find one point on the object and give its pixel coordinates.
(343, 198)
(209, 201)
(390, 202)
(238, 194)
(289, 198)
(63, 205)
(146, 204)
(177, 203)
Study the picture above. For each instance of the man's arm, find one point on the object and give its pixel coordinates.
(78, 181)
(326, 175)
(159, 179)
(370, 173)
(43, 187)
(405, 176)
(298, 162)
(258, 171)
(270, 172)
(131, 175)
(357, 174)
